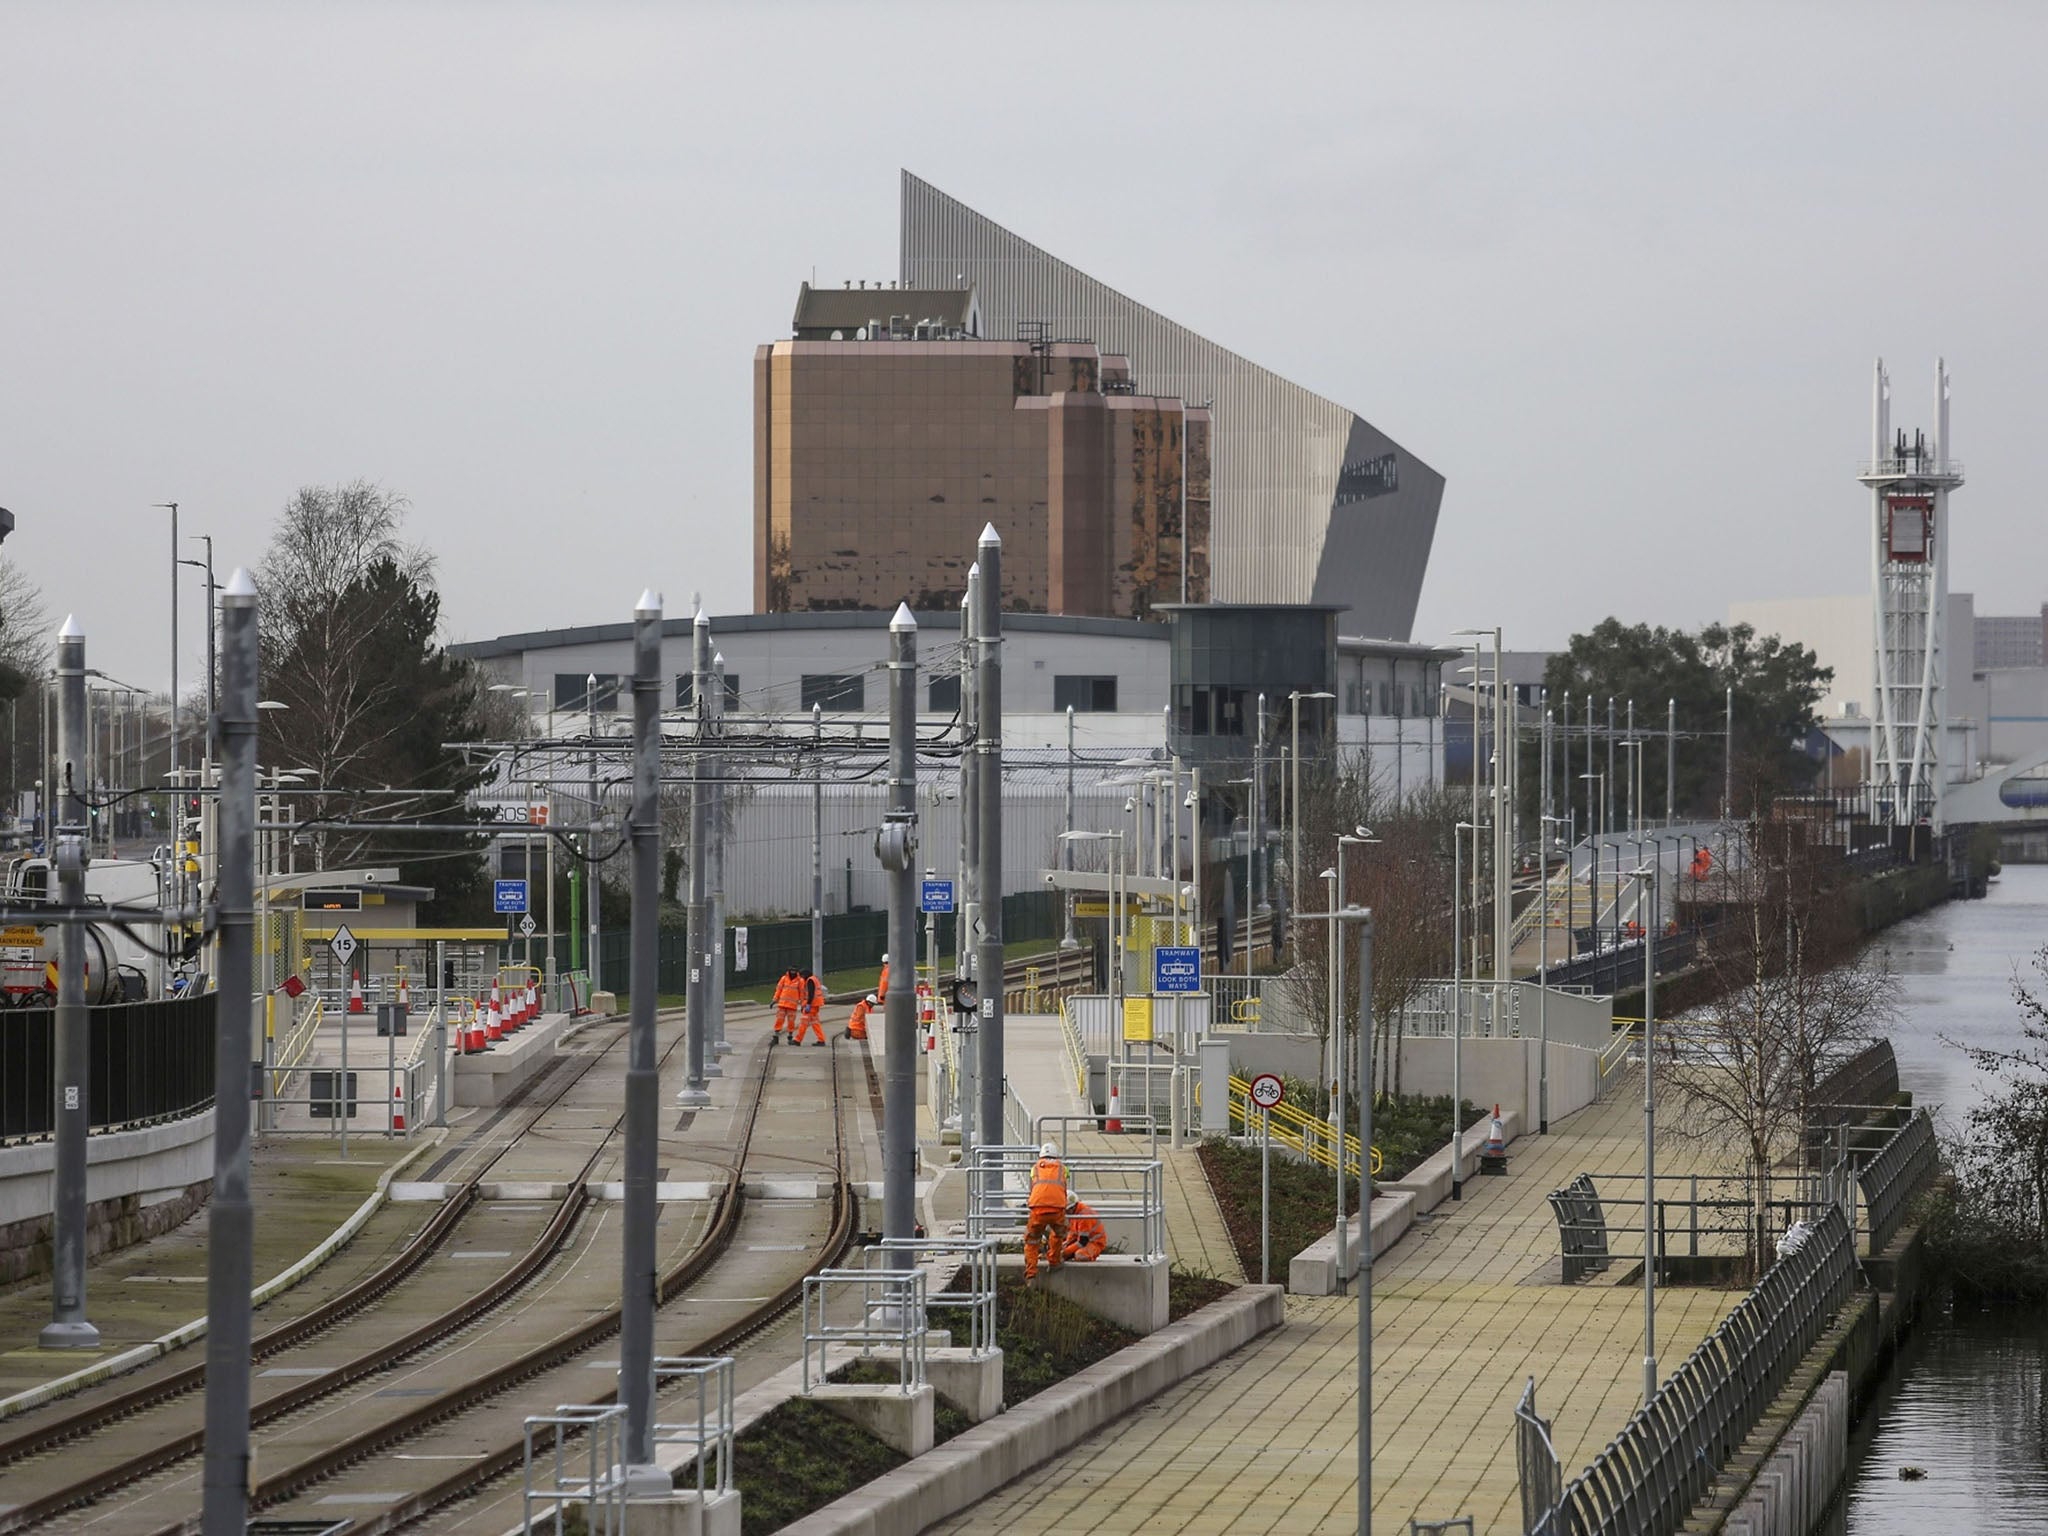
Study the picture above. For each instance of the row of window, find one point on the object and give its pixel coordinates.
(844, 691)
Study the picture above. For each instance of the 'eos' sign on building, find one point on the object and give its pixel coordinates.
(1372, 477)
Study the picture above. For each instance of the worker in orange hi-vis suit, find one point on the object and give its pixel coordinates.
(882, 984)
(810, 1017)
(788, 993)
(1045, 1221)
(1085, 1235)
(857, 1025)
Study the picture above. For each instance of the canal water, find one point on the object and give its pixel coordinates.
(1967, 1404)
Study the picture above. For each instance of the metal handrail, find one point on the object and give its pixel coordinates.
(601, 1487)
(975, 1255)
(710, 1436)
(1065, 1123)
(1647, 1479)
(1297, 1130)
(1116, 1188)
(891, 1305)
(1894, 1175)
(1077, 1051)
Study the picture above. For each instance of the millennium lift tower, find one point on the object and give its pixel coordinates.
(1909, 484)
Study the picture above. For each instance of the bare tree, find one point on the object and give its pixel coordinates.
(1794, 992)
(2000, 1243)
(1403, 876)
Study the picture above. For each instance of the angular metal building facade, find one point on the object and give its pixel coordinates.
(1310, 502)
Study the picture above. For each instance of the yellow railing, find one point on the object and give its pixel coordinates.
(295, 1046)
(1298, 1130)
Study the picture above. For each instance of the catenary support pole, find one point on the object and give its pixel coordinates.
(1457, 1006)
(231, 1217)
(1670, 761)
(1650, 1138)
(638, 1279)
(969, 901)
(716, 1045)
(897, 847)
(697, 1015)
(988, 807)
(441, 1021)
(72, 1109)
(817, 841)
(1728, 756)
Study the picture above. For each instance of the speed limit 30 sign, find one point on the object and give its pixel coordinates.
(1267, 1091)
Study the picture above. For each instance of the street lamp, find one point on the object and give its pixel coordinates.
(1596, 796)
(1116, 925)
(1544, 824)
(1457, 1002)
(1294, 701)
(1648, 875)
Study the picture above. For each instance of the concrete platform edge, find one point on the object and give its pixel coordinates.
(277, 1285)
(972, 1465)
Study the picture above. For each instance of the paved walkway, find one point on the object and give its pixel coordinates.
(1465, 1310)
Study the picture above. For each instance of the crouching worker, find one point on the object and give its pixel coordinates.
(1085, 1237)
(1045, 1222)
(857, 1025)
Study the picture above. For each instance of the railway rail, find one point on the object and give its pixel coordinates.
(317, 1428)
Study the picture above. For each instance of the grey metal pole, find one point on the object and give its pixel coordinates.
(1457, 1005)
(441, 1026)
(1069, 940)
(231, 1221)
(1635, 769)
(1255, 871)
(1670, 761)
(643, 1078)
(1544, 822)
(698, 1000)
(591, 917)
(897, 847)
(716, 1045)
(1728, 757)
(1364, 921)
(1266, 1198)
(818, 841)
(72, 1106)
(1606, 816)
(969, 902)
(1650, 1141)
(988, 808)
(1334, 953)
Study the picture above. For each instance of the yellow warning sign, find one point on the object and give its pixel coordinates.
(1138, 1018)
(21, 936)
(1102, 908)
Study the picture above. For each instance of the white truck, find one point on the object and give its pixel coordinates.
(118, 966)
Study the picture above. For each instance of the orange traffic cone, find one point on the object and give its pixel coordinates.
(397, 1107)
(532, 1001)
(1496, 1141)
(404, 995)
(494, 1020)
(355, 994)
(473, 1036)
(1114, 1123)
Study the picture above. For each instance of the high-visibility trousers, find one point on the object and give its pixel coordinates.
(785, 1018)
(810, 1021)
(1050, 1228)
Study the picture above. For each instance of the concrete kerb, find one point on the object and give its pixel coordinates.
(1313, 1271)
(277, 1285)
(968, 1468)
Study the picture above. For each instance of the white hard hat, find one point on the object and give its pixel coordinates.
(872, 999)
(885, 959)
(1048, 1150)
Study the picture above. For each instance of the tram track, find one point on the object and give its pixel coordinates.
(126, 1494)
(171, 1443)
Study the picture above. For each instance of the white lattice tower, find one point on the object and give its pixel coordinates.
(1909, 482)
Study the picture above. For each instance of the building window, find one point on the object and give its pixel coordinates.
(1084, 695)
(834, 690)
(945, 693)
(570, 692)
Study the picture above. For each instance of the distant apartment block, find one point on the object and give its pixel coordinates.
(2012, 641)
(888, 431)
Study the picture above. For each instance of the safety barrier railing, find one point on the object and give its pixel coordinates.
(594, 1480)
(866, 1311)
(1297, 1130)
(971, 1260)
(1128, 1191)
(1623, 1049)
(705, 1383)
(1600, 1215)
(1647, 1479)
(1867, 1080)
(1894, 1175)
(1536, 1464)
(1077, 1052)
(297, 1042)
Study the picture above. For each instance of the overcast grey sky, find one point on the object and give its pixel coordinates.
(1619, 271)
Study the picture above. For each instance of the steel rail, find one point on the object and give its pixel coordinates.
(479, 1471)
(365, 1292)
